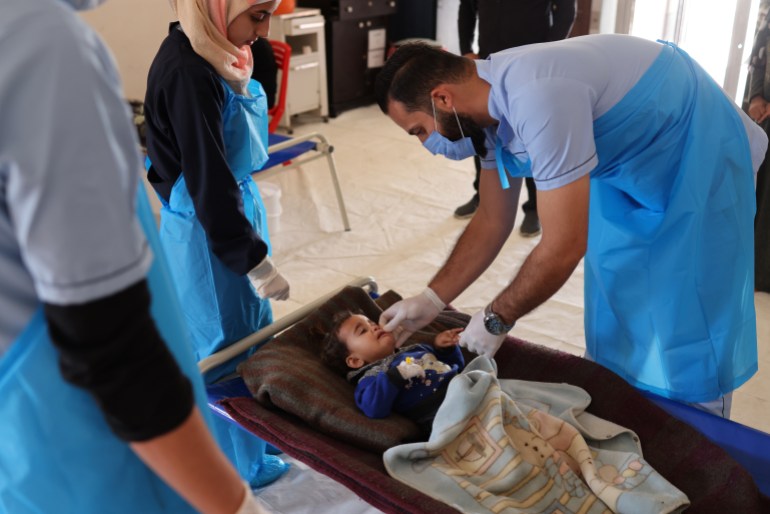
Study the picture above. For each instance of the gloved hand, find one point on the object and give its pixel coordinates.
(268, 282)
(410, 370)
(250, 505)
(476, 338)
(411, 314)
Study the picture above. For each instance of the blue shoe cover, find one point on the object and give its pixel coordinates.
(268, 471)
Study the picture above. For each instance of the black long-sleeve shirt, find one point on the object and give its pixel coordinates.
(111, 348)
(183, 109)
(510, 23)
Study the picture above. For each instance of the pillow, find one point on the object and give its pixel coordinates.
(287, 373)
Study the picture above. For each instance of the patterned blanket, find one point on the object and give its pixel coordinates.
(519, 446)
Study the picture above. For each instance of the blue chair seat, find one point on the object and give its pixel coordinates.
(288, 154)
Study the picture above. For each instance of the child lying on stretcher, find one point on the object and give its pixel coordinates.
(411, 380)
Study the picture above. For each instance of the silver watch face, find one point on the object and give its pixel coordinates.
(494, 324)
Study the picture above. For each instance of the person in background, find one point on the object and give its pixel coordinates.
(265, 68)
(507, 24)
(103, 409)
(206, 134)
(759, 110)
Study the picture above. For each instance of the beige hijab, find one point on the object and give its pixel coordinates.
(205, 22)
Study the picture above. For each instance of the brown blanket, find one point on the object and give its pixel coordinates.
(345, 445)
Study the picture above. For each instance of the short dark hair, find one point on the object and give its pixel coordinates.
(334, 351)
(411, 73)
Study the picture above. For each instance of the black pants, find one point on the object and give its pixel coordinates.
(530, 206)
(762, 225)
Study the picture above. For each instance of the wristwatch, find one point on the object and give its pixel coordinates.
(494, 323)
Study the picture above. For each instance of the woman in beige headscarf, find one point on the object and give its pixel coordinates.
(206, 134)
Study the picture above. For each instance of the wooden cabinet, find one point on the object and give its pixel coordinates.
(355, 48)
(351, 77)
(352, 9)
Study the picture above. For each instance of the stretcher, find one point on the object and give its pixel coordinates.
(717, 462)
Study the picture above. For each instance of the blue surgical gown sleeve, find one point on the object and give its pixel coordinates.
(185, 134)
(70, 198)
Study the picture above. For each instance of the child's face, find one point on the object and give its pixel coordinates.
(366, 341)
(251, 24)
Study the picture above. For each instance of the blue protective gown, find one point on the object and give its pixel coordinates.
(220, 306)
(69, 235)
(669, 300)
(58, 435)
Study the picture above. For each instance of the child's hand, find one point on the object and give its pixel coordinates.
(408, 369)
(447, 338)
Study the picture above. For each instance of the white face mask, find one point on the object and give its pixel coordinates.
(84, 5)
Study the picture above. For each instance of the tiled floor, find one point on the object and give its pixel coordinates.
(400, 200)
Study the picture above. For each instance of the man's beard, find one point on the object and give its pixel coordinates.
(450, 130)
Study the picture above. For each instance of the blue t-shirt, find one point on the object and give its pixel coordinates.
(547, 96)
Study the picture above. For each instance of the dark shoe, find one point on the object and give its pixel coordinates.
(467, 210)
(530, 227)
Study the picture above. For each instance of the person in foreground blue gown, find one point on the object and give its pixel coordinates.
(103, 408)
(642, 164)
(206, 134)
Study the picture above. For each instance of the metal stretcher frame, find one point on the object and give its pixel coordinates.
(284, 148)
(748, 446)
(235, 349)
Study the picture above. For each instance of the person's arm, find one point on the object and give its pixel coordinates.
(375, 395)
(757, 84)
(189, 460)
(563, 13)
(558, 137)
(564, 216)
(447, 339)
(85, 251)
(466, 25)
(451, 354)
(110, 347)
(195, 97)
(757, 100)
(757, 68)
(482, 239)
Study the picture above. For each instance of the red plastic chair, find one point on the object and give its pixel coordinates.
(282, 53)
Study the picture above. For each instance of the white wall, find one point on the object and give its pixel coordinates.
(133, 30)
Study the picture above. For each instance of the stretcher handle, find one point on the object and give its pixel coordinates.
(235, 349)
